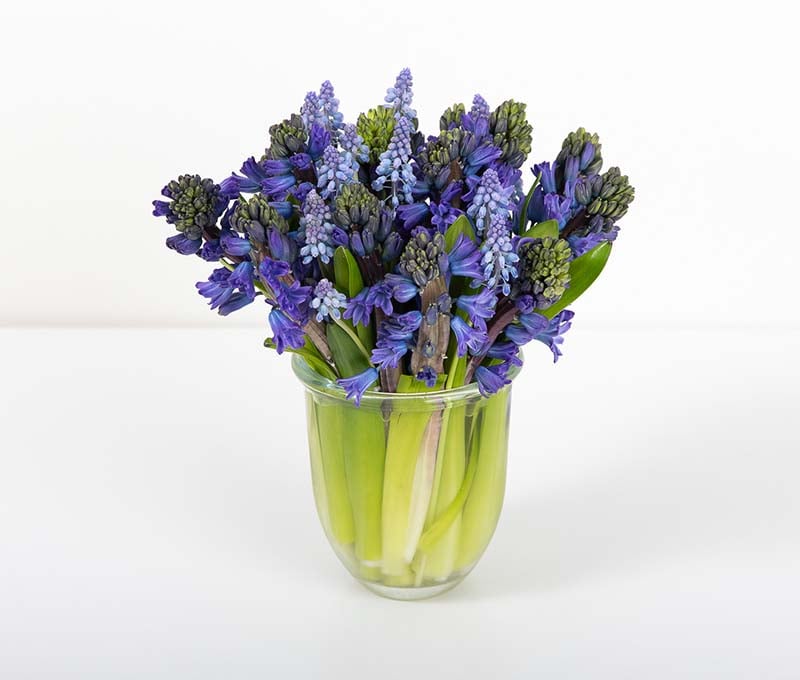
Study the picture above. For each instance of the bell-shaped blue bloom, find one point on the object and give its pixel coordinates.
(234, 302)
(233, 244)
(464, 259)
(242, 278)
(467, 337)
(286, 333)
(217, 289)
(395, 338)
(356, 385)
(413, 214)
(254, 173)
(479, 308)
(185, 246)
(403, 287)
(506, 351)
(553, 335)
(491, 379)
(212, 251)
(359, 310)
(380, 296)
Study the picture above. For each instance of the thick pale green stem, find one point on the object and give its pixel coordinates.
(406, 433)
(333, 438)
(451, 464)
(317, 470)
(485, 500)
(364, 455)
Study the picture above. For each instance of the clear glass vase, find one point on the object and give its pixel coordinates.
(408, 487)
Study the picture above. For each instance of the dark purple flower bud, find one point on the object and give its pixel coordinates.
(281, 246)
(369, 240)
(356, 385)
(339, 237)
(392, 247)
(160, 208)
(185, 246)
(286, 333)
(357, 244)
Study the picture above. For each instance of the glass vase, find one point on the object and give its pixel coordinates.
(408, 487)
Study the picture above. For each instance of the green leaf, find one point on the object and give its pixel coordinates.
(311, 355)
(542, 230)
(346, 272)
(461, 226)
(523, 215)
(583, 271)
(408, 384)
(349, 359)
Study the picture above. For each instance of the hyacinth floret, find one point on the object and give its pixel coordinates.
(583, 146)
(328, 301)
(399, 97)
(395, 164)
(317, 228)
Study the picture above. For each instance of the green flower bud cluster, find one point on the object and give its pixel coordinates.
(356, 207)
(575, 145)
(376, 127)
(287, 138)
(452, 117)
(421, 257)
(544, 269)
(195, 204)
(441, 151)
(612, 195)
(512, 132)
(254, 216)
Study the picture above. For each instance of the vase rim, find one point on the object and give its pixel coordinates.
(319, 383)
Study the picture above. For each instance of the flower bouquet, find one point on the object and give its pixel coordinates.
(404, 273)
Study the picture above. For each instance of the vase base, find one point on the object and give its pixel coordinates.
(411, 593)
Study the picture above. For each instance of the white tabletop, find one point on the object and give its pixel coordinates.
(156, 517)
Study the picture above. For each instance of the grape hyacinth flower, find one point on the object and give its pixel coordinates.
(395, 164)
(334, 169)
(499, 258)
(353, 142)
(317, 228)
(329, 107)
(490, 198)
(400, 96)
(328, 301)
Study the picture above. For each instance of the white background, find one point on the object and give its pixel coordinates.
(155, 508)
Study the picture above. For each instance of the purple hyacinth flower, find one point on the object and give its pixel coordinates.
(318, 139)
(428, 375)
(359, 310)
(553, 335)
(233, 244)
(217, 289)
(234, 302)
(278, 186)
(413, 214)
(506, 351)
(286, 333)
(395, 338)
(403, 287)
(356, 385)
(491, 379)
(185, 246)
(160, 208)
(242, 278)
(547, 177)
(380, 296)
(464, 259)
(467, 337)
(253, 174)
(271, 270)
(294, 299)
(211, 251)
(478, 307)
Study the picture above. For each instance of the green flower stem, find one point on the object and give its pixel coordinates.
(333, 438)
(407, 431)
(451, 464)
(485, 500)
(364, 455)
(317, 471)
(347, 328)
